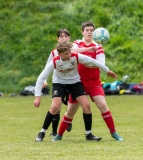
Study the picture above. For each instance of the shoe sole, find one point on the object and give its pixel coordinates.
(117, 139)
(56, 140)
(94, 139)
(38, 140)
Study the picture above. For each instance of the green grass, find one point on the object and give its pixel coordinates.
(20, 123)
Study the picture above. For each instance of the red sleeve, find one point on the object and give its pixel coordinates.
(99, 50)
(75, 55)
(55, 59)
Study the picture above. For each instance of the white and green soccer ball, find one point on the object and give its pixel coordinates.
(101, 35)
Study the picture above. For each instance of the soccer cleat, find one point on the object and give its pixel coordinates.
(57, 138)
(116, 136)
(53, 134)
(69, 127)
(91, 137)
(40, 137)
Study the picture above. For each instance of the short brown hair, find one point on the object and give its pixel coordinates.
(86, 24)
(60, 31)
(64, 46)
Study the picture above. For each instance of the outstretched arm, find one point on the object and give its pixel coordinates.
(112, 74)
(90, 62)
(80, 50)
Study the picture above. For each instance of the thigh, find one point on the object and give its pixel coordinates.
(83, 101)
(100, 102)
(76, 90)
(72, 109)
(94, 91)
(58, 90)
(56, 105)
(71, 100)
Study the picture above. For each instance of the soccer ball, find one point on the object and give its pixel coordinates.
(101, 35)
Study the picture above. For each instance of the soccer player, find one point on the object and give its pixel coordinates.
(90, 78)
(62, 35)
(66, 77)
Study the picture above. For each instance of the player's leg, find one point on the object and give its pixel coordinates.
(55, 124)
(55, 107)
(66, 120)
(106, 115)
(79, 94)
(65, 100)
(97, 95)
(58, 92)
(87, 117)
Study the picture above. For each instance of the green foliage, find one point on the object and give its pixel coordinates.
(28, 34)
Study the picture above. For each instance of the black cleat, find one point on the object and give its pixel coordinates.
(69, 127)
(91, 137)
(40, 137)
(53, 134)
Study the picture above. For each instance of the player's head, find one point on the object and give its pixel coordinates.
(63, 35)
(87, 30)
(64, 50)
(87, 24)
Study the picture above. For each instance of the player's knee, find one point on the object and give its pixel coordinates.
(86, 108)
(103, 107)
(54, 109)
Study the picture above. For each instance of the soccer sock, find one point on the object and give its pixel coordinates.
(64, 125)
(48, 120)
(43, 130)
(87, 122)
(107, 116)
(55, 122)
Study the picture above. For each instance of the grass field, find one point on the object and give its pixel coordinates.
(20, 123)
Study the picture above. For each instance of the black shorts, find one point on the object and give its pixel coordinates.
(60, 90)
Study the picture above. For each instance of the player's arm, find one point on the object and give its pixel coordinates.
(100, 58)
(48, 61)
(80, 50)
(39, 83)
(100, 55)
(90, 62)
(95, 63)
(75, 48)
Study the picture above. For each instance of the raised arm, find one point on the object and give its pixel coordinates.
(85, 49)
(90, 62)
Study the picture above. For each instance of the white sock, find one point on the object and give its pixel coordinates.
(87, 132)
(43, 130)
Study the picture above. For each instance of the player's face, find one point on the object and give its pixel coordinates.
(65, 56)
(63, 37)
(88, 33)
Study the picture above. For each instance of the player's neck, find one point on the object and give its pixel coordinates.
(87, 42)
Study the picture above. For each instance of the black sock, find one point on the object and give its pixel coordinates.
(55, 122)
(87, 121)
(48, 120)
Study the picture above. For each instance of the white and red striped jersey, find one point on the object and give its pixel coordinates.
(52, 55)
(90, 76)
(66, 72)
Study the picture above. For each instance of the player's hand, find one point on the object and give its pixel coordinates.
(44, 85)
(92, 49)
(112, 74)
(37, 101)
